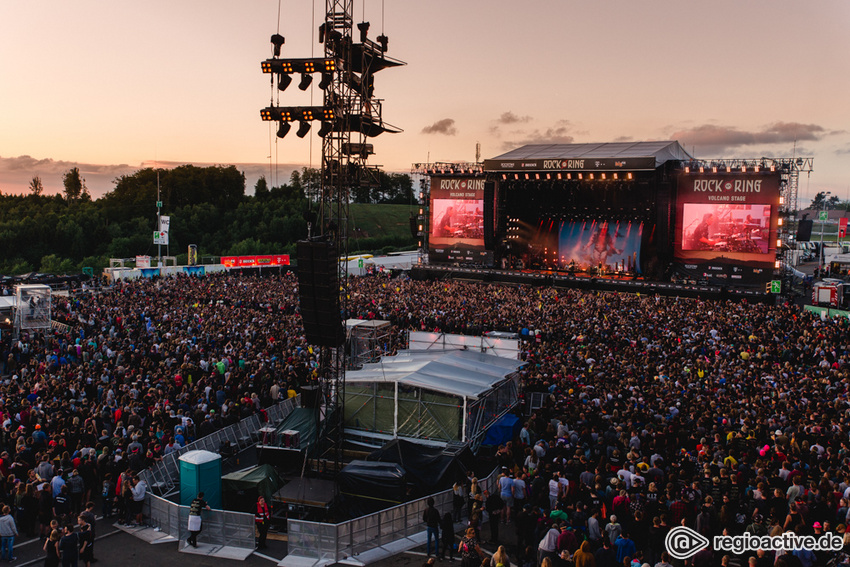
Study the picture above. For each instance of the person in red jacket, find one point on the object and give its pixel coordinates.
(262, 518)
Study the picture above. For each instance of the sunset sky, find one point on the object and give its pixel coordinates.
(112, 87)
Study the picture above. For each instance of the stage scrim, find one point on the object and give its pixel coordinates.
(726, 226)
(613, 245)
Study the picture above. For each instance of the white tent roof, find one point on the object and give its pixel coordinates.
(462, 373)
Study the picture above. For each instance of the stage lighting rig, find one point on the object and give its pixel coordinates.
(349, 114)
(284, 68)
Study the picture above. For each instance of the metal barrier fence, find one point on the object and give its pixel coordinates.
(164, 477)
(220, 527)
(334, 542)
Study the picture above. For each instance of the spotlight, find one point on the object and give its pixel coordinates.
(383, 41)
(306, 79)
(303, 129)
(283, 81)
(283, 130)
(327, 78)
(364, 31)
(326, 128)
(278, 41)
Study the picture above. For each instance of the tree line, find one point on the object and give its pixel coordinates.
(208, 207)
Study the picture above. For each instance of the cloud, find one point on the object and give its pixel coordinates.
(445, 126)
(559, 133)
(713, 139)
(511, 118)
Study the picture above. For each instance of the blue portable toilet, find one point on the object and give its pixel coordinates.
(200, 471)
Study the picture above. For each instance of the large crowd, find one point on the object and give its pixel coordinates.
(726, 417)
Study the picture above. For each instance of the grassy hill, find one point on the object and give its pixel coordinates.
(374, 228)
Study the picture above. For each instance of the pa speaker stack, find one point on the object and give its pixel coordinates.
(318, 288)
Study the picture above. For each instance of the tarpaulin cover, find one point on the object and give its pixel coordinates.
(428, 468)
(302, 420)
(503, 430)
(241, 489)
(384, 481)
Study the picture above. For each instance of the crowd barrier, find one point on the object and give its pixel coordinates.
(220, 527)
(330, 543)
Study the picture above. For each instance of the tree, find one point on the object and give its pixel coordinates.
(261, 188)
(36, 187)
(820, 199)
(73, 184)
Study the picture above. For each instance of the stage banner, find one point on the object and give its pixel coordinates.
(726, 227)
(457, 221)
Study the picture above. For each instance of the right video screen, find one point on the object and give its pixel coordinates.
(730, 228)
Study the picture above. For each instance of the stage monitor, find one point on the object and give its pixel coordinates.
(457, 221)
(726, 226)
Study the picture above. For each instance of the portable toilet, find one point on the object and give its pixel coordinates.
(200, 471)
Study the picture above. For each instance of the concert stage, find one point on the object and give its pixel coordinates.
(616, 215)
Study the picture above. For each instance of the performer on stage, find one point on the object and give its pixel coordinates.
(444, 225)
(699, 238)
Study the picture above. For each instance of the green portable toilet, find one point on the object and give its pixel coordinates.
(200, 471)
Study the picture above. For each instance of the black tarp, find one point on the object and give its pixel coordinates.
(369, 486)
(428, 468)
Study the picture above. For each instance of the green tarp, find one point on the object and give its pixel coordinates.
(241, 489)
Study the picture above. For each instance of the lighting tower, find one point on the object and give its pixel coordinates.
(349, 115)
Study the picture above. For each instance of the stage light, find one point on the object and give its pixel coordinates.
(516, 176)
(629, 175)
(303, 129)
(714, 169)
(504, 177)
(777, 264)
(278, 41)
(569, 176)
(325, 129)
(590, 176)
(526, 177)
(602, 176)
(743, 169)
(306, 79)
(780, 221)
(537, 176)
(781, 200)
(701, 169)
(559, 176)
(283, 81)
(579, 175)
(728, 169)
(772, 168)
(615, 177)
(548, 177)
(779, 243)
(687, 169)
(756, 169)
(283, 130)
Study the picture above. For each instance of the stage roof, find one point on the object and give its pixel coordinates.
(463, 373)
(625, 156)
